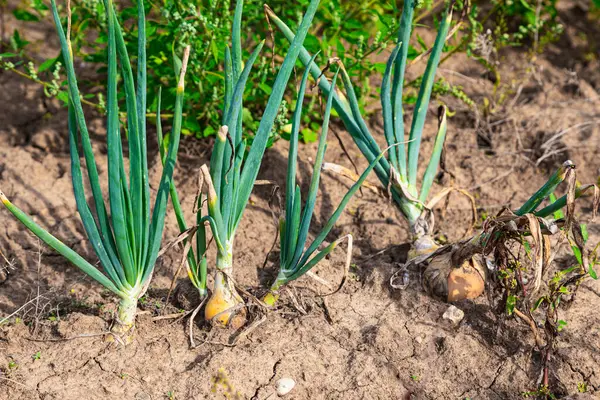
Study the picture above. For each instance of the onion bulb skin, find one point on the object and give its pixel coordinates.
(454, 283)
(445, 280)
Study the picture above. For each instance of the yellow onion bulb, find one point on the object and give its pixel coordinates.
(223, 305)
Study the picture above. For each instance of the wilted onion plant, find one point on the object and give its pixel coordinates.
(128, 241)
(451, 278)
(229, 180)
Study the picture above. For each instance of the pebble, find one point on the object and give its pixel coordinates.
(284, 386)
(454, 314)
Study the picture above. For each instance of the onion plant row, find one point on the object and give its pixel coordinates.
(126, 235)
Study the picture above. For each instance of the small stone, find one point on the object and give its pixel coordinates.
(454, 314)
(284, 386)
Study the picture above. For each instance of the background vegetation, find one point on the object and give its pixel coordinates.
(353, 31)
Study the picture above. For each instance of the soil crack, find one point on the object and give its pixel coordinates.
(584, 378)
(496, 375)
(258, 389)
(412, 342)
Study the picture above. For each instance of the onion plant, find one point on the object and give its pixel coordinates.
(296, 258)
(399, 171)
(229, 180)
(127, 241)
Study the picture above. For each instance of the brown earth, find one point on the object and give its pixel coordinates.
(368, 341)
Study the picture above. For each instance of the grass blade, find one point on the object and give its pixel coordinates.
(562, 202)
(229, 83)
(227, 171)
(201, 263)
(290, 184)
(236, 106)
(212, 200)
(236, 40)
(338, 212)
(388, 116)
(237, 171)
(216, 159)
(307, 214)
(304, 268)
(141, 115)
(559, 213)
(292, 231)
(128, 212)
(283, 250)
(109, 260)
(172, 190)
(235, 126)
(355, 110)
(135, 153)
(103, 220)
(115, 157)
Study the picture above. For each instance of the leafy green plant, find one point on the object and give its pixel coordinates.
(500, 24)
(507, 23)
(595, 7)
(202, 24)
(12, 365)
(296, 258)
(352, 31)
(128, 241)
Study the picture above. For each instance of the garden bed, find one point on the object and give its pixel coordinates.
(366, 341)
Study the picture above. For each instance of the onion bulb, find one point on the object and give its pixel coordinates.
(454, 283)
(225, 305)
